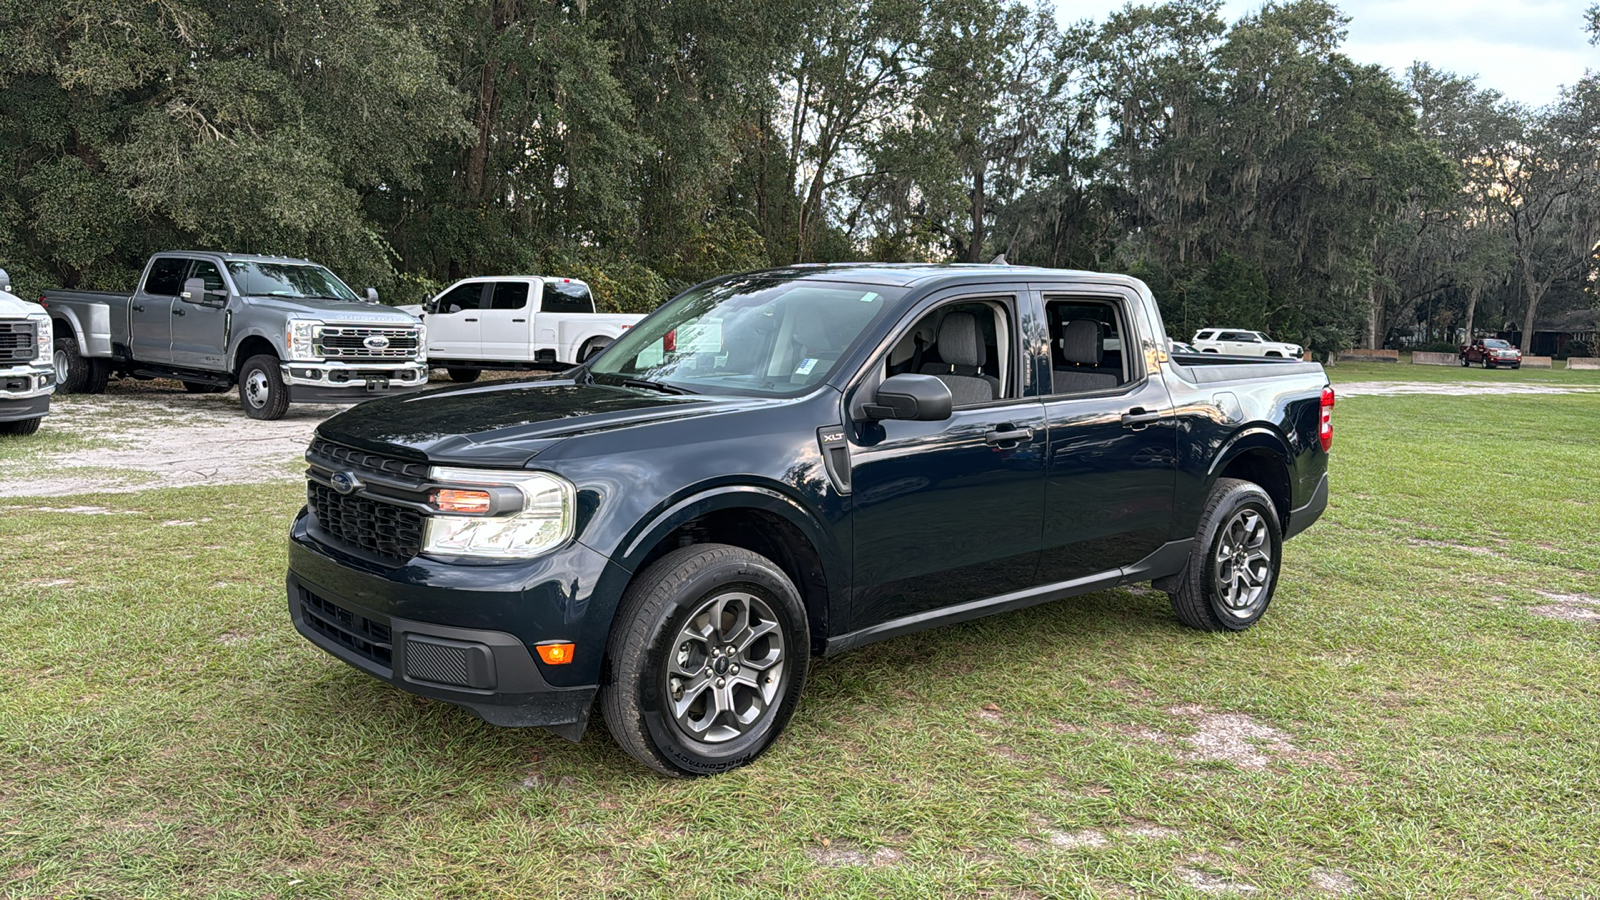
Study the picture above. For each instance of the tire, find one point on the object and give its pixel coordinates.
(1517, 366)
(1274, 354)
(1465, 362)
(591, 348)
(655, 640)
(196, 387)
(1487, 364)
(463, 376)
(1213, 593)
(262, 392)
(99, 375)
(72, 370)
(21, 427)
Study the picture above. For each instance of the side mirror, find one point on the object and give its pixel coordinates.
(372, 295)
(921, 398)
(194, 291)
(5, 281)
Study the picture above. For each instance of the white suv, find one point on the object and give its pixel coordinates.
(1238, 342)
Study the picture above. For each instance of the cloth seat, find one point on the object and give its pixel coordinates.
(1082, 346)
(960, 345)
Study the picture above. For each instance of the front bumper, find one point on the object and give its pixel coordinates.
(25, 392)
(461, 633)
(343, 382)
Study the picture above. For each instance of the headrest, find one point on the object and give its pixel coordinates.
(959, 341)
(1081, 342)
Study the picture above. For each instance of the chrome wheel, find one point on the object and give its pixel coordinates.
(1243, 563)
(256, 388)
(62, 366)
(726, 669)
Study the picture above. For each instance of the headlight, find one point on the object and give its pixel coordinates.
(302, 333)
(422, 343)
(41, 327)
(539, 517)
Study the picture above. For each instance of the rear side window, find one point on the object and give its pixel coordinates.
(510, 295)
(1203, 335)
(166, 277)
(566, 297)
(1086, 345)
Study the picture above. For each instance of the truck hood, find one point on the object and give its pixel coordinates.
(12, 306)
(509, 423)
(335, 311)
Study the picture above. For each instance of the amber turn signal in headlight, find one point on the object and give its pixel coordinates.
(555, 653)
(446, 500)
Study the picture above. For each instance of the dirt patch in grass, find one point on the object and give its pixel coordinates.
(1222, 737)
(840, 855)
(1568, 607)
(1333, 881)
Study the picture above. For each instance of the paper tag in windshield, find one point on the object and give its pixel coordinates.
(806, 365)
(869, 296)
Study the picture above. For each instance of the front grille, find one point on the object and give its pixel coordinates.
(350, 342)
(18, 342)
(391, 532)
(360, 634)
(361, 460)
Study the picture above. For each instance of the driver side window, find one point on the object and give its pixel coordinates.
(461, 298)
(961, 344)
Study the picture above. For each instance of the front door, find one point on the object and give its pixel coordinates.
(199, 331)
(150, 310)
(949, 512)
(454, 331)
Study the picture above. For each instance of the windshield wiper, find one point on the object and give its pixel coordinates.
(655, 386)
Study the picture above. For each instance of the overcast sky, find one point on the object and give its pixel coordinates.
(1525, 49)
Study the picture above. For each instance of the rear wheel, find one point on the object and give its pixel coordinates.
(591, 349)
(72, 370)
(262, 392)
(1233, 565)
(1464, 361)
(463, 376)
(21, 428)
(706, 661)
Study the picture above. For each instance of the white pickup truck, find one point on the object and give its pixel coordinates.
(1239, 342)
(515, 322)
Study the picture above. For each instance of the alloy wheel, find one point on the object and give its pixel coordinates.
(1243, 563)
(726, 672)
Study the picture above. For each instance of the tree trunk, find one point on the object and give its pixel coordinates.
(975, 246)
(1535, 294)
(1472, 308)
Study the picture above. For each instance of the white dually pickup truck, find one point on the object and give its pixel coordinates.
(515, 322)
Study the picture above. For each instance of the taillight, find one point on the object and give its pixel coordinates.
(1325, 429)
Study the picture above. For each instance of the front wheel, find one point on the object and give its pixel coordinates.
(706, 661)
(262, 392)
(1465, 362)
(1487, 364)
(463, 376)
(21, 428)
(1233, 565)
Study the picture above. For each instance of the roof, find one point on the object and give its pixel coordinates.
(1577, 320)
(908, 274)
(238, 257)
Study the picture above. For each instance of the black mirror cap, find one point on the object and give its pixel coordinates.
(921, 398)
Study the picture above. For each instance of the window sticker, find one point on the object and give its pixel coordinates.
(806, 365)
(869, 296)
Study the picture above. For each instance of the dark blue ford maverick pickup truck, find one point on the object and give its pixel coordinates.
(784, 464)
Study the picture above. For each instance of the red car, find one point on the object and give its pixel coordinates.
(1491, 352)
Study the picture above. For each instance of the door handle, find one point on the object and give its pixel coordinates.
(138, 307)
(1005, 434)
(469, 320)
(1138, 419)
(178, 312)
(519, 320)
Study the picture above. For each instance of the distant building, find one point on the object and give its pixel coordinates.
(1554, 335)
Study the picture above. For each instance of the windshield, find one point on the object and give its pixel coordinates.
(760, 336)
(1493, 344)
(293, 280)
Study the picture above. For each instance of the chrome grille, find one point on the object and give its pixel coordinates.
(352, 342)
(18, 342)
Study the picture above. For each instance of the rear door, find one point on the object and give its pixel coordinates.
(454, 329)
(949, 512)
(150, 310)
(504, 321)
(199, 331)
(1111, 470)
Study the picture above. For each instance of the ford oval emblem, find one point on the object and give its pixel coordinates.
(376, 342)
(345, 482)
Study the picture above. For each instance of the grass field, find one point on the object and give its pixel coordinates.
(1410, 719)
